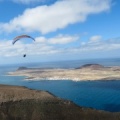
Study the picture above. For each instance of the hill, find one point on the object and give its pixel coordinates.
(21, 103)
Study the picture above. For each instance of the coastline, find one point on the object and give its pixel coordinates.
(85, 73)
(19, 102)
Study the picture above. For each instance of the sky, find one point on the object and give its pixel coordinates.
(62, 29)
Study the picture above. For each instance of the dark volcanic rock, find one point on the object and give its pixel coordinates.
(92, 66)
(22, 68)
(20, 103)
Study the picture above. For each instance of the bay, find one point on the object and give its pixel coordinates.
(101, 95)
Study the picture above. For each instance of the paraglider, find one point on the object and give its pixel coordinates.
(21, 37)
(24, 55)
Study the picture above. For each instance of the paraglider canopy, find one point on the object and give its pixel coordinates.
(20, 37)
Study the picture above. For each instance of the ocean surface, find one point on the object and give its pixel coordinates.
(101, 95)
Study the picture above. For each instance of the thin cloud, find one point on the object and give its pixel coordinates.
(63, 39)
(59, 15)
(40, 40)
(42, 47)
(95, 38)
(100, 44)
(30, 1)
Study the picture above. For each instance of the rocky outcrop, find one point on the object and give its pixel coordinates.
(22, 68)
(21, 103)
(91, 66)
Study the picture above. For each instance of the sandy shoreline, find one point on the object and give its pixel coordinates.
(95, 72)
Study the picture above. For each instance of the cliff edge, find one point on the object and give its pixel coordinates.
(21, 103)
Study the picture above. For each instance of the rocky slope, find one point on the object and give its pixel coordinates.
(92, 66)
(21, 103)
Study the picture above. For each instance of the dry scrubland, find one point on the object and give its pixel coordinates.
(85, 72)
(21, 103)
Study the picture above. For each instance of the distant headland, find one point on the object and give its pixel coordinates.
(82, 73)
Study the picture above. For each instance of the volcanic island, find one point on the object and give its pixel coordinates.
(21, 103)
(82, 73)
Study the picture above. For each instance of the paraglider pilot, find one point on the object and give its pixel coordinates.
(24, 55)
(20, 37)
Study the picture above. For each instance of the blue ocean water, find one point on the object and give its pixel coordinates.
(102, 95)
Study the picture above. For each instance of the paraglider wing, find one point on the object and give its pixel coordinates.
(20, 37)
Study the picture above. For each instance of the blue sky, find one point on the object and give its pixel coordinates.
(63, 30)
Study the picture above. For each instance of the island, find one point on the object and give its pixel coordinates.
(21, 103)
(82, 73)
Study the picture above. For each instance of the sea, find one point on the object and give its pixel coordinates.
(100, 95)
